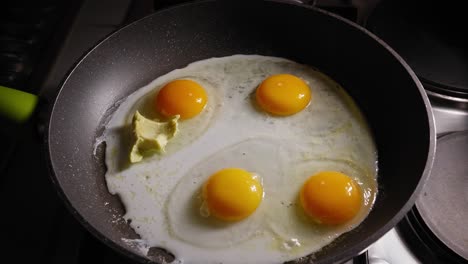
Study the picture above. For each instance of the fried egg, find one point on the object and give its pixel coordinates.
(282, 150)
(185, 98)
(283, 94)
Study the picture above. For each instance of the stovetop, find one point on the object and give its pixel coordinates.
(41, 42)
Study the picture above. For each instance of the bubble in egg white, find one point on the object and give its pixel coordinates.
(161, 194)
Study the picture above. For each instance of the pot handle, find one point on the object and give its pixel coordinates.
(17, 105)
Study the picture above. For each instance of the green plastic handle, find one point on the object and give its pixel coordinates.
(17, 105)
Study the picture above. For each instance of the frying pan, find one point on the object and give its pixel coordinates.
(382, 84)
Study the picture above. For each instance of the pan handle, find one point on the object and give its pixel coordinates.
(16, 105)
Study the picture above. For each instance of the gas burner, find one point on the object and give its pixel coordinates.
(436, 226)
(450, 113)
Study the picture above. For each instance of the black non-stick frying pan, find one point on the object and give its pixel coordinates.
(382, 84)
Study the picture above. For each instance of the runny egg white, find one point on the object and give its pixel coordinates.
(162, 194)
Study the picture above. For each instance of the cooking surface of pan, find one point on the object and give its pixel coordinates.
(384, 87)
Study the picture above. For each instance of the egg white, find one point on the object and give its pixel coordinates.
(188, 223)
(160, 194)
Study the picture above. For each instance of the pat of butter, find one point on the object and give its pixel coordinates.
(151, 136)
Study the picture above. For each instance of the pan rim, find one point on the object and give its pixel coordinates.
(340, 256)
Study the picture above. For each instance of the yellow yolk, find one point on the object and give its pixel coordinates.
(232, 194)
(331, 198)
(283, 94)
(181, 97)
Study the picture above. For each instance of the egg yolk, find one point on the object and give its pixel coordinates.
(181, 97)
(232, 194)
(283, 94)
(331, 198)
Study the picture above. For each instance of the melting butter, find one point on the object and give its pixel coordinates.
(151, 136)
